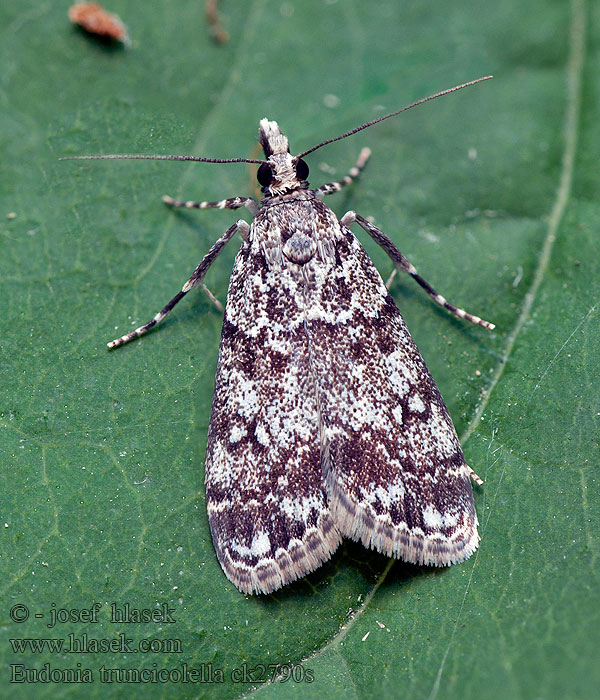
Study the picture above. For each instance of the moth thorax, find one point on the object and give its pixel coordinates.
(299, 248)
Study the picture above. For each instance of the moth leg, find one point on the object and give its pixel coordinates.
(231, 203)
(194, 281)
(212, 297)
(390, 279)
(401, 262)
(332, 187)
(476, 478)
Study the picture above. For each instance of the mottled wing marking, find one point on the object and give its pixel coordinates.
(267, 506)
(325, 420)
(393, 467)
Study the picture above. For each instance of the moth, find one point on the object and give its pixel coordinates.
(325, 422)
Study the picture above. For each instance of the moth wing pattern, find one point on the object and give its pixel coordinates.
(266, 501)
(394, 470)
(325, 422)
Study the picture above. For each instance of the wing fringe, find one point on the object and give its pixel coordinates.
(377, 532)
(303, 557)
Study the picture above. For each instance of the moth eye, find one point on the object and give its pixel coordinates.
(264, 175)
(301, 169)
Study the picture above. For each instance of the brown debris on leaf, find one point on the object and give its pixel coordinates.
(212, 17)
(93, 18)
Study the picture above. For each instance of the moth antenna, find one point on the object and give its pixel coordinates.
(133, 156)
(393, 114)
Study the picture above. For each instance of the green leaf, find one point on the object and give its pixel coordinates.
(491, 192)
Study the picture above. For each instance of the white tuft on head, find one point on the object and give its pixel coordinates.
(271, 138)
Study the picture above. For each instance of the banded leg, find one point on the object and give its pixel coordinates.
(194, 281)
(401, 262)
(472, 475)
(332, 187)
(231, 203)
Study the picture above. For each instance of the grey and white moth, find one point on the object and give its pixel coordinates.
(325, 420)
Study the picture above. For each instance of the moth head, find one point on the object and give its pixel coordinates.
(282, 172)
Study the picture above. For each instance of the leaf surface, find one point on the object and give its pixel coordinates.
(492, 193)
